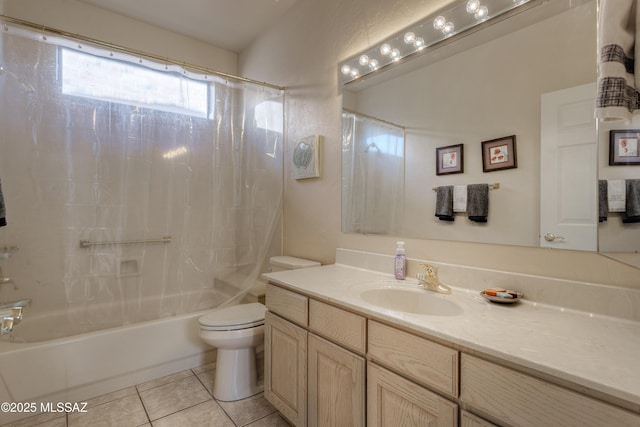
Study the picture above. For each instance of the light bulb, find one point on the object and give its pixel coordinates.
(482, 13)
(409, 38)
(346, 69)
(473, 6)
(395, 54)
(374, 64)
(354, 72)
(385, 49)
(439, 22)
(448, 28)
(419, 44)
(364, 60)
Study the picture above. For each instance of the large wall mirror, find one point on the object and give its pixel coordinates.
(482, 87)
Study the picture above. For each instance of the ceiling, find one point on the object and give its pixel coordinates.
(229, 24)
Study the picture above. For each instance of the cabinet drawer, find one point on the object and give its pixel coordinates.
(340, 326)
(519, 399)
(290, 305)
(424, 361)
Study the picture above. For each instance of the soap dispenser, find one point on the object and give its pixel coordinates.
(400, 262)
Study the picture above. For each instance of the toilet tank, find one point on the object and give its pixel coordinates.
(281, 263)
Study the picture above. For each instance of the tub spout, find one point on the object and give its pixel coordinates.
(11, 314)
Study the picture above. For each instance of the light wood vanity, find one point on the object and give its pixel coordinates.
(327, 364)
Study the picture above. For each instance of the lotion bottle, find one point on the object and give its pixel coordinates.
(400, 262)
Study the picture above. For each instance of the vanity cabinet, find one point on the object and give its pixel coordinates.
(314, 364)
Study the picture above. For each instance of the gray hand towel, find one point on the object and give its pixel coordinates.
(444, 203)
(632, 214)
(478, 202)
(3, 211)
(603, 200)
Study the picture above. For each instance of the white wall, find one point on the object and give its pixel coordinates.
(87, 20)
(302, 53)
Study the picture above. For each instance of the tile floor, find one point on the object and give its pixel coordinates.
(181, 399)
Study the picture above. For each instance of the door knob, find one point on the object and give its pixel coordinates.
(550, 237)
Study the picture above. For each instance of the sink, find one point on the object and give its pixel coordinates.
(411, 301)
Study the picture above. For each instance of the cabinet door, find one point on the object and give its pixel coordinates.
(285, 376)
(335, 385)
(393, 401)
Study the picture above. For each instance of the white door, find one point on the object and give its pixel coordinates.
(568, 169)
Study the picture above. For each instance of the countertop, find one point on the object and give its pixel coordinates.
(598, 353)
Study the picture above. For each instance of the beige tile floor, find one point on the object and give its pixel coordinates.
(182, 399)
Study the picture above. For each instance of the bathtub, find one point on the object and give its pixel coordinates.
(78, 367)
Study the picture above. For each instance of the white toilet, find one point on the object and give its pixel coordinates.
(235, 332)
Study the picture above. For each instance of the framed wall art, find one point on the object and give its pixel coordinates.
(499, 154)
(624, 147)
(306, 158)
(450, 159)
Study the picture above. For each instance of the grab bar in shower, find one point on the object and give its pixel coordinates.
(87, 243)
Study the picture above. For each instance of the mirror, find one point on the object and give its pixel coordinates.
(482, 87)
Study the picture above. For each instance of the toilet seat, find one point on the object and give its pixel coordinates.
(243, 316)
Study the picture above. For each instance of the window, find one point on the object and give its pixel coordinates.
(111, 80)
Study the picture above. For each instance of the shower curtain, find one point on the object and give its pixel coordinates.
(104, 147)
(372, 175)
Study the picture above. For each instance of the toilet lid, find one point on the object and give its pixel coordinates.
(237, 317)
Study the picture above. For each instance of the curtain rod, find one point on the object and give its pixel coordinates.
(366, 116)
(43, 28)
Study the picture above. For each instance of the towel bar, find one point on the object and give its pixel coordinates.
(87, 243)
(493, 186)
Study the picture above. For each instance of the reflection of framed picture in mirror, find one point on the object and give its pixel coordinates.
(499, 154)
(624, 147)
(450, 159)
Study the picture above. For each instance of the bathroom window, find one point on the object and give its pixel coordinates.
(121, 82)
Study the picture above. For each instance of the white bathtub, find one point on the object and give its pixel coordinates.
(75, 368)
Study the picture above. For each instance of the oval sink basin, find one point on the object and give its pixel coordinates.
(409, 301)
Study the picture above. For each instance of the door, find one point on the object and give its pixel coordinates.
(285, 376)
(336, 385)
(568, 169)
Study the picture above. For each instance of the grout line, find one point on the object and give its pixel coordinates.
(144, 408)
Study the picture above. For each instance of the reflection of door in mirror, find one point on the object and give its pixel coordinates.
(568, 150)
(372, 175)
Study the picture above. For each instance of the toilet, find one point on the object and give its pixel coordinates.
(236, 332)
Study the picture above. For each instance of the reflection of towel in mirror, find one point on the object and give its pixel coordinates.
(3, 212)
(478, 202)
(603, 200)
(444, 203)
(632, 213)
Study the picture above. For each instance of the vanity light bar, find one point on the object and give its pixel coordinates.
(462, 16)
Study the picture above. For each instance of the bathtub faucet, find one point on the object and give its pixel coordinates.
(11, 314)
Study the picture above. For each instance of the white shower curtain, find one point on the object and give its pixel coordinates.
(109, 157)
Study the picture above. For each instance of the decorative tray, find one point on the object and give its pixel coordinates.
(515, 296)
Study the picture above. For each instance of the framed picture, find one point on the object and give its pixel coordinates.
(450, 159)
(306, 158)
(624, 147)
(499, 154)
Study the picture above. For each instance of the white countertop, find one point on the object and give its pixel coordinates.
(597, 352)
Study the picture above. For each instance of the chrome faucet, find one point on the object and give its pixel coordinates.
(428, 279)
(11, 314)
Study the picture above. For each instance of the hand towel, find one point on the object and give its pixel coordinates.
(616, 197)
(460, 198)
(603, 200)
(444, 203)
(478, 202)
(618, 84)
(3, 211)
(632, 213)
